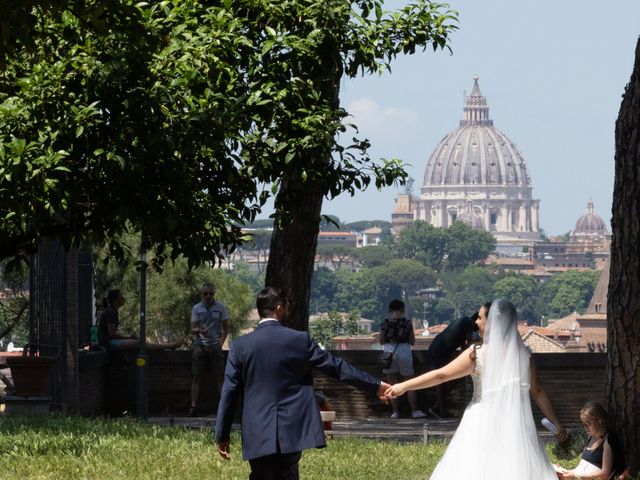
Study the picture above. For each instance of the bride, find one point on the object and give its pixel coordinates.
(497, 436)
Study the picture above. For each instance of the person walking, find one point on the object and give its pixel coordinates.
(271, 371)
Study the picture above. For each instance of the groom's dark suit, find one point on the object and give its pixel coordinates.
(272, 369)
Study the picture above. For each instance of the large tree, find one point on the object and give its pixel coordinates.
(623, 311)
(312, 46)
(179, 119)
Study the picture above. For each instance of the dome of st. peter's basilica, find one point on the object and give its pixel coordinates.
(477, 175)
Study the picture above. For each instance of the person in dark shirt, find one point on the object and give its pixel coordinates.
(602, 457)
(108, 335)
(458, 335)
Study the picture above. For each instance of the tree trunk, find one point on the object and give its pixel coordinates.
(293, 247)
(623, 312)
(299, 205)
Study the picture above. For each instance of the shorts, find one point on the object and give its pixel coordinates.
(205, 359)
(402, 362)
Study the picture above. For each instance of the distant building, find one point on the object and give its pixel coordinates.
(371, 236)
(537, 342)
(586, 332)
(348, 239)
(475, 175)
(588, 246)
(590, 229)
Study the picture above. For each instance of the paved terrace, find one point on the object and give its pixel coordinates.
(400, 430)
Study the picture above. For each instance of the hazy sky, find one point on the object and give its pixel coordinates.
(553, 74)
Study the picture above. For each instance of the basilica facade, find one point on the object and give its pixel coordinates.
(475, 175)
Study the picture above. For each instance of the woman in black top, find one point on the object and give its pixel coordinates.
(108, 334)
(601, 457)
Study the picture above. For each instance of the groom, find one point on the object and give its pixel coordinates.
(271, 369)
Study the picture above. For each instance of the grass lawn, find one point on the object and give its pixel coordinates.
(77, 448)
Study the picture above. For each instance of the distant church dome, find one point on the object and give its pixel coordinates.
(590, 223)
(475, 175)
(476, 153)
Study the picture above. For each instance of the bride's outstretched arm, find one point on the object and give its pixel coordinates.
(461, 366)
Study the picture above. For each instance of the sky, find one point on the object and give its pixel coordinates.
(553, 73)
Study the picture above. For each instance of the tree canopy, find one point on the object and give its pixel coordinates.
(454, 247)
(129, 121)
(179, 119)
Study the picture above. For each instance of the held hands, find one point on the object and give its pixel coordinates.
(381, 391)
(395, 391)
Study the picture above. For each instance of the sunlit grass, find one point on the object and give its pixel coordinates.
(78, 448)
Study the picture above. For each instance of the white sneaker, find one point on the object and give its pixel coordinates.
(394, 415)
(418, 414)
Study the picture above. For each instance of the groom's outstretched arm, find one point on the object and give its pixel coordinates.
(342, 370)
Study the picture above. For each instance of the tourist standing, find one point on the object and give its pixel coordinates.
(210, 325)
(397, 337)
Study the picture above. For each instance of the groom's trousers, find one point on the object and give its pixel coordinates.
(279, 466)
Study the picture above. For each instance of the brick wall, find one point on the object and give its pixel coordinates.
(570, 379)
(169, 384)
(92, 367)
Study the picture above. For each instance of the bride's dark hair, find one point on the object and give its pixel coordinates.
(477, 344)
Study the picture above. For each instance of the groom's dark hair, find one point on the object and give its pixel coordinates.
(268, 299)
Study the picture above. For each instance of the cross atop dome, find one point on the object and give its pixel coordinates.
(476, 110)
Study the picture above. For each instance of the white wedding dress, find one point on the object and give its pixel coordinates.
(497, 437)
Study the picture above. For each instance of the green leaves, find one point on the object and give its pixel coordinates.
(171, 117)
